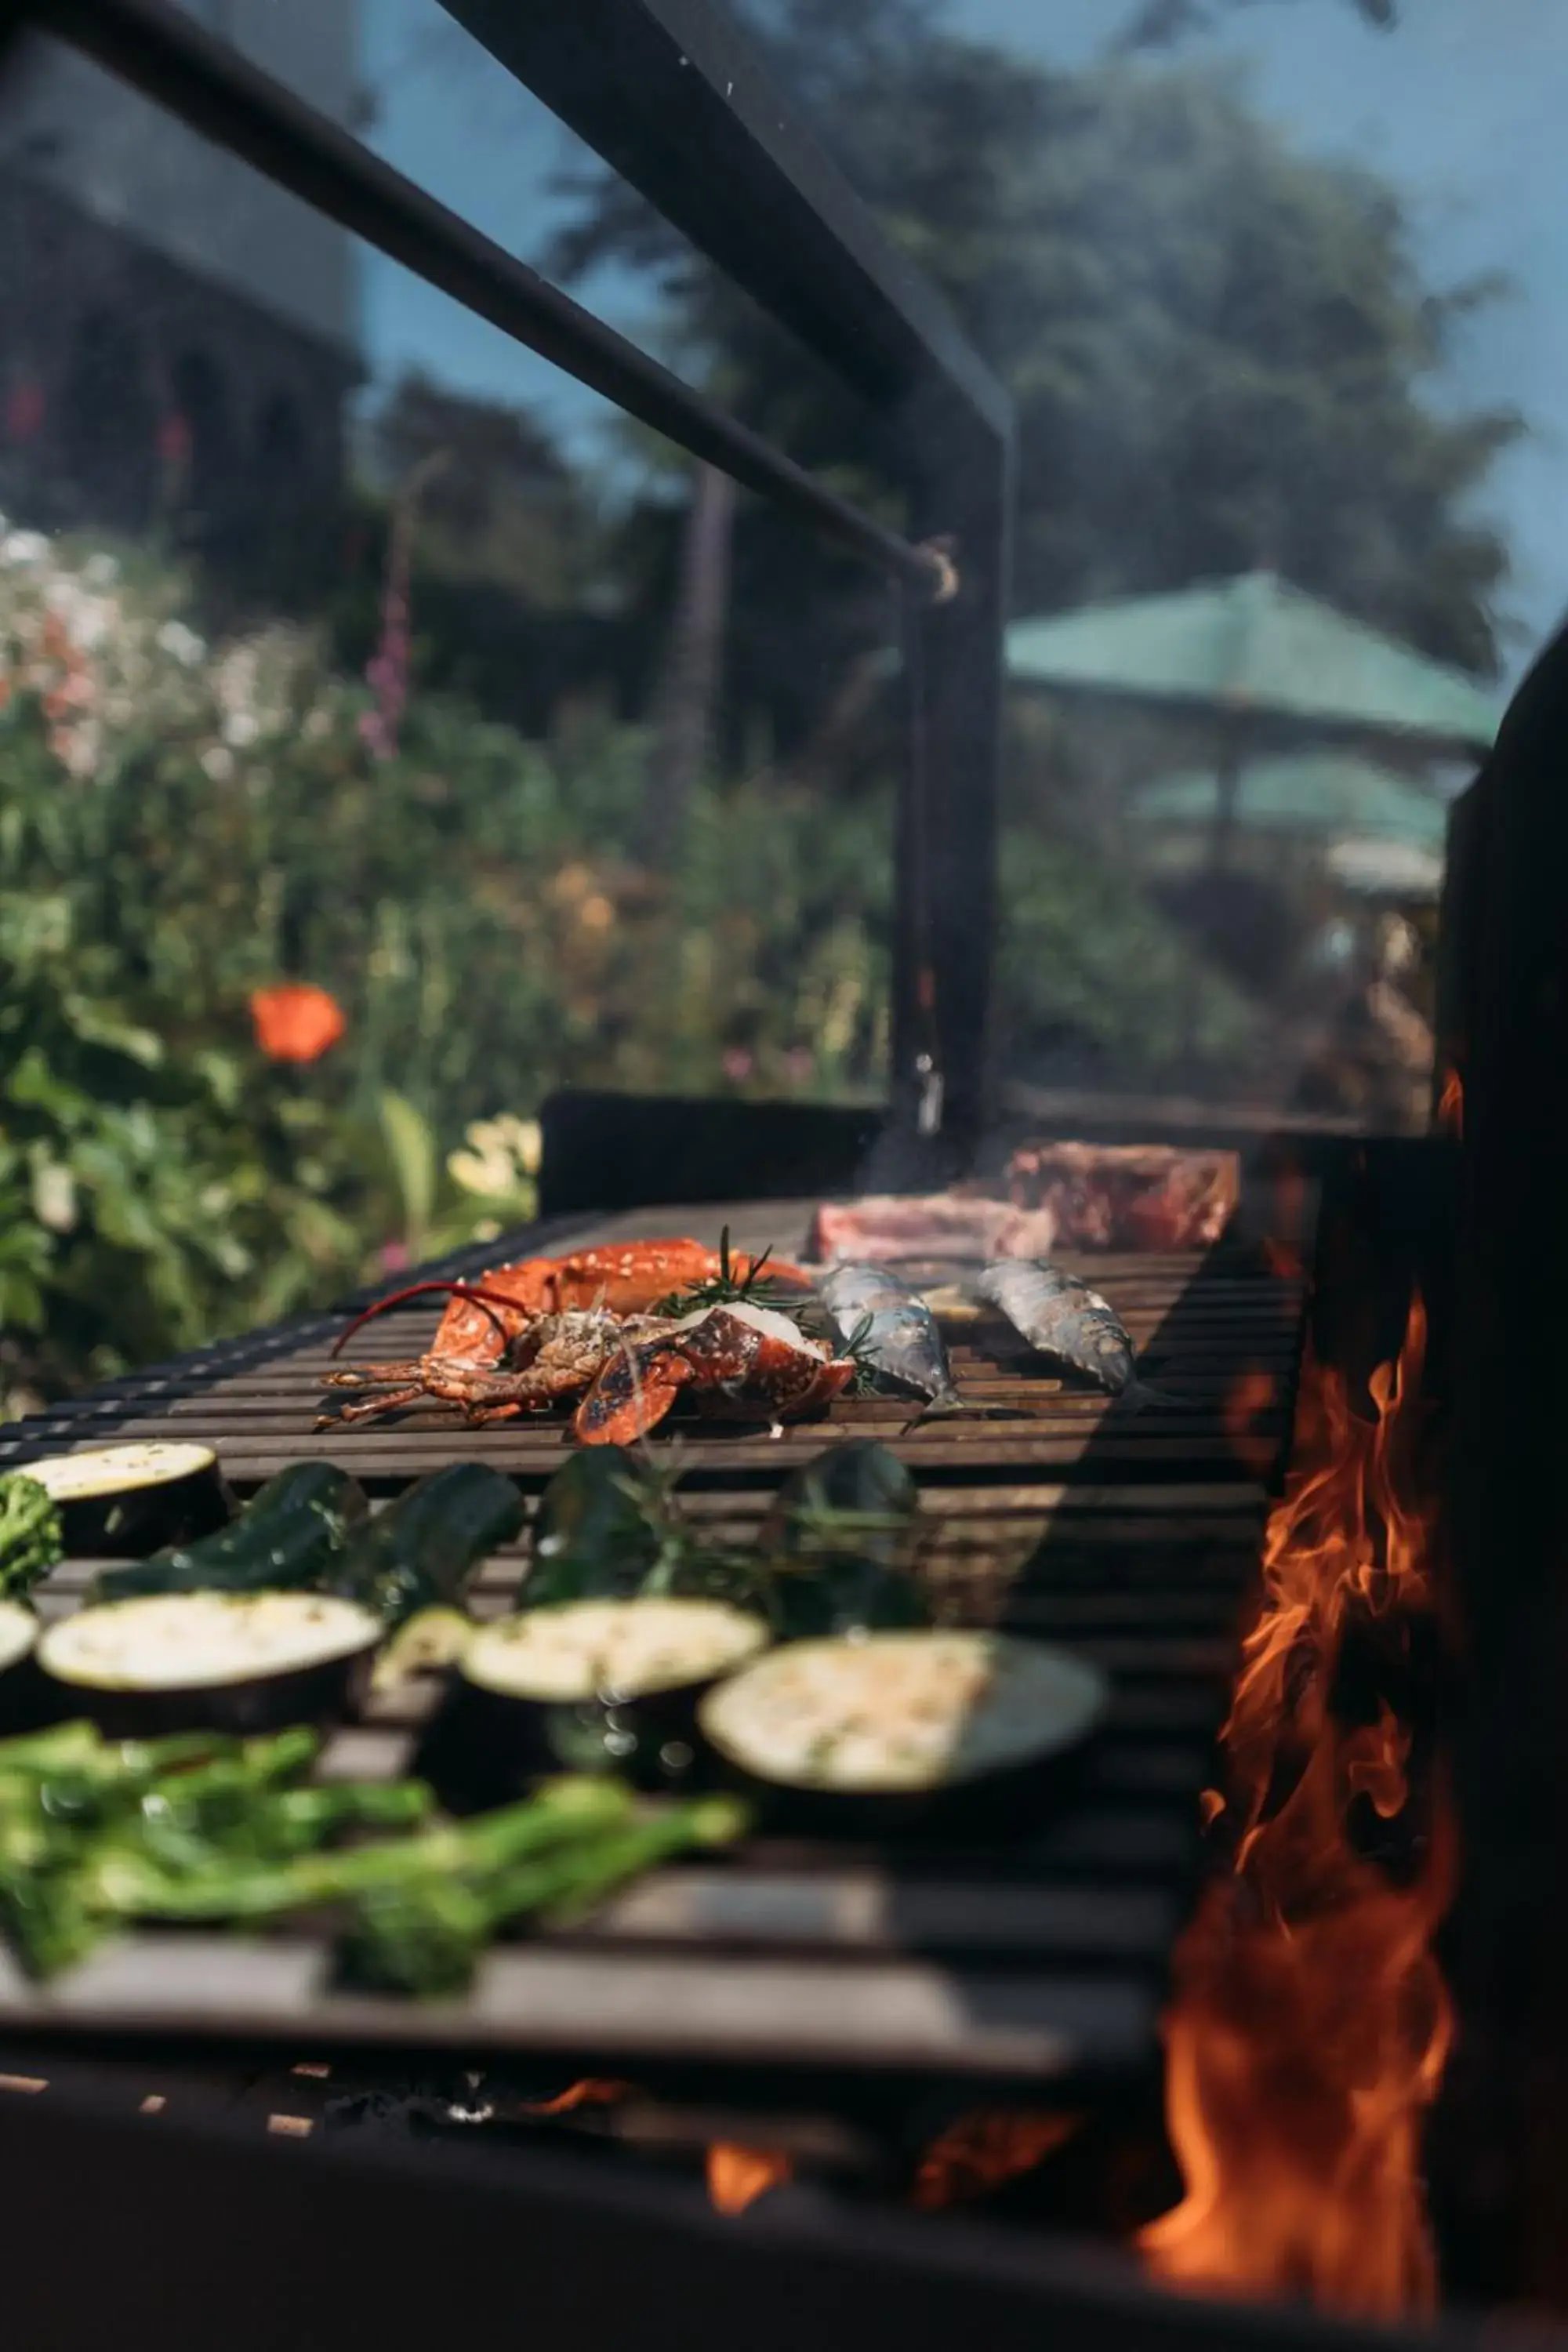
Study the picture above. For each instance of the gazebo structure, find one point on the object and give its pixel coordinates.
(1275, 669)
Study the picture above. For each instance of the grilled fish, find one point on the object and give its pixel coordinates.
(1063, 1318)
(892, 1328)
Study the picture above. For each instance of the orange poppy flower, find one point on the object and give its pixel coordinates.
(296, 1023)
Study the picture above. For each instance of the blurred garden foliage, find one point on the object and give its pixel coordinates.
(1223, 356)
(182, 824)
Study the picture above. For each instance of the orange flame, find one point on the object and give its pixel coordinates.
(1310, 2024)
(983, 2151)
(1449, 1117)
(737, 2177)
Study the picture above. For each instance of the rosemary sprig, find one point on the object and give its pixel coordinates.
(727, 1288)
(827, 1530)
(685, 1566)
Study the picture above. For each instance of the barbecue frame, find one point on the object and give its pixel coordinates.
(670, 94)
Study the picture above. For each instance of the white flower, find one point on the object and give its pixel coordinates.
(86, 617)
(217, 763)
(241, 726)
(181, 644)
(487, 1173)
(78, 747)
(101, 572)
(54, 1195)
(23, 547)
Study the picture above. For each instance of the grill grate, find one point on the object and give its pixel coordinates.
(1128, 1539)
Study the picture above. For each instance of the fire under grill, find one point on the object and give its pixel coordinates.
(1028, 1971)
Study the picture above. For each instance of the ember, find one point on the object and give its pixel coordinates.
(1449, 1118)
(737, 2177)
(1254, 1396)
(1310, 2025)
(981, 2152)
(591, 2092)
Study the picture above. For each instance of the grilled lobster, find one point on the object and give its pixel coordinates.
(527, 1336)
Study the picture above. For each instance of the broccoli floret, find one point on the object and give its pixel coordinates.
(30, 1538)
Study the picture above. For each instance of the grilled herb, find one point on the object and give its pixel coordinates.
(728, 1287)
(30, 1538)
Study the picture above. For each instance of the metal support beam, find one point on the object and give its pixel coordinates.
(227, 99)
(672, 95)
(676, 98)
(944, 1048)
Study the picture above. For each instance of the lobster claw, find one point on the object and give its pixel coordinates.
(631, 1395)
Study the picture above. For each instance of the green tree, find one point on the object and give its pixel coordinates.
(1221, 350)
(1159, 23)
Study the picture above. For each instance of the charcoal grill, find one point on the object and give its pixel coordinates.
(1133, 1542)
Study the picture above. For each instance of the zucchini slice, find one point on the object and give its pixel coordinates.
(238, 1662)
(19, 1676)
(423, 1551)
(595, 1685)
(293, 1532)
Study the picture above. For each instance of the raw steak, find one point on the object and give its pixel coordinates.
(1126, 1196)
(893, 1229)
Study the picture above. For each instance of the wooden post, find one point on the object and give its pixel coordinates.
(683, 723)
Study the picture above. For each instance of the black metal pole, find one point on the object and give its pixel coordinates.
(944, 1047)
(226, 97)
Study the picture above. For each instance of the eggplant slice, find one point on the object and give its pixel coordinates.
(19, 1676)
(117, 1502)
(888, 1729)
(592, 1685)
(238, 1662)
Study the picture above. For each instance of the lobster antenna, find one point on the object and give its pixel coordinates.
(488, 1300)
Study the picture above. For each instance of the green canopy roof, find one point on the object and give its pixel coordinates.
(1316, 792)
(1254, 645)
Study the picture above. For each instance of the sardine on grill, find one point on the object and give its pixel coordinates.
(891, 1328)
(1062, 1316)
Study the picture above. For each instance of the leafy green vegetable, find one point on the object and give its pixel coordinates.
(31, 1539)
(95, 1834)
(424, 1937)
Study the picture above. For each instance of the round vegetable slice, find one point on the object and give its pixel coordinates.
(18, 1632)
(903, 1723)
(594, 1686)
(118, 1501)
(220, 1661)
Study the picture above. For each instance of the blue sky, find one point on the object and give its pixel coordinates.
(1462, 107)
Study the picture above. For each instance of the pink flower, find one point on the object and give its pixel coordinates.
(394, 1257)
(738, 1064)
(24, 409)
(800, 1062)
(175, 438)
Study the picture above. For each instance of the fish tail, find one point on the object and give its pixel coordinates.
(1138, 1396)
(948, 1405)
